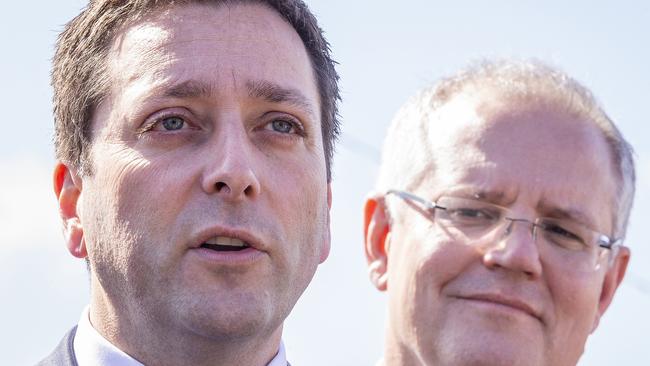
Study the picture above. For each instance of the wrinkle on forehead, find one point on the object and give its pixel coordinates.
(524, 152)
(156, 43)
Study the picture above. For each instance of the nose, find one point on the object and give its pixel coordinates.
(230, 165)
(514, 250)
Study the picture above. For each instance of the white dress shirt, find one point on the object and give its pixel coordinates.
(92, 349)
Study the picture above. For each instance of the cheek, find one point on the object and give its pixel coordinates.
(429, 254)
(298, 193)
(421, 265)
(416, 267)
(153, 192)
(142, 198)
(575, 298)
(310, 222)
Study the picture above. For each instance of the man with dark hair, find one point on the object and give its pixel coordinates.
(498, 221)
(194, 143)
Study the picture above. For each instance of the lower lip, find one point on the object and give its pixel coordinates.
(496, 307)
(245, 256)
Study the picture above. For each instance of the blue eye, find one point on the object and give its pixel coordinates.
(172, 123)
(279, 125)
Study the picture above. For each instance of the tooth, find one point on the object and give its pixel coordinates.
(237, 242)
(225, 240)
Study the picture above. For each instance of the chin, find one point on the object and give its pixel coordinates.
(474, 349)
(487, 358)
(223, 321)
(217, 312)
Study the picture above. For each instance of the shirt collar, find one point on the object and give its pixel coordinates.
(280, 358)
(92, 349)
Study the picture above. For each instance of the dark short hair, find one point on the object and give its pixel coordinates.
(80, 78)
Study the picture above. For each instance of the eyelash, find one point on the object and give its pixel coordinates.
(298, 128)
(158, 118)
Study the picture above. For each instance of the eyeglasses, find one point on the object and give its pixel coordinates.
(564, 242)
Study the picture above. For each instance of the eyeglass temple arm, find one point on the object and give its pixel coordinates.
(405, 195)
(607, 243)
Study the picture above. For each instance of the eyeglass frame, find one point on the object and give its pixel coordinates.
(604, 241)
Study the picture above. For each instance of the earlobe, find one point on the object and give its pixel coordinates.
(613, 278)
(377, 241)
(67, 188)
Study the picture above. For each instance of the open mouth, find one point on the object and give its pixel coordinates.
(225, 244)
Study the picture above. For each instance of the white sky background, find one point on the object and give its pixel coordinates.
(386, 52)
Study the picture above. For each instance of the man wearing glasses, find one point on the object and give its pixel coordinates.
(497, 226)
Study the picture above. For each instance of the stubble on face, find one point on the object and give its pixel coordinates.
(145, 203)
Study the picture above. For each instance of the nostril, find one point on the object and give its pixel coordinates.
(248, 191)
(234, 187)
(220, 186)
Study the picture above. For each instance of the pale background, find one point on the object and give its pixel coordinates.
(386, 51)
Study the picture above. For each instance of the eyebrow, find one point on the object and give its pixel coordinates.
(189, 89)
(545, 208)
(567, 214)
(472, 192)
(275, 93)
(259, 89)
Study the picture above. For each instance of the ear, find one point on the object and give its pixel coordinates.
(613, 279)
(67, 188)
(325, 250)
(377, 240)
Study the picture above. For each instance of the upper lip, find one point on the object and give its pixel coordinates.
(506, 300)
(244, 235)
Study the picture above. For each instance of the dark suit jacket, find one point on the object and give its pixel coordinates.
(63, 354)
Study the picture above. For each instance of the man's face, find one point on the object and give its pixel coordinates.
(210, 139)
(498, 301)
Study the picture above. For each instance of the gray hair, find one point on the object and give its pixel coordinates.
(403, 165)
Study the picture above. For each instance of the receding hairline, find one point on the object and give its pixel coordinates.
(529, 81)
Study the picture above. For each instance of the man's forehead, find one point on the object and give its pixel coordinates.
(457, 119)
(472, 115)
(198, 49)
(490, 144)
(157, 22)
(172, 32)
(481, 122)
